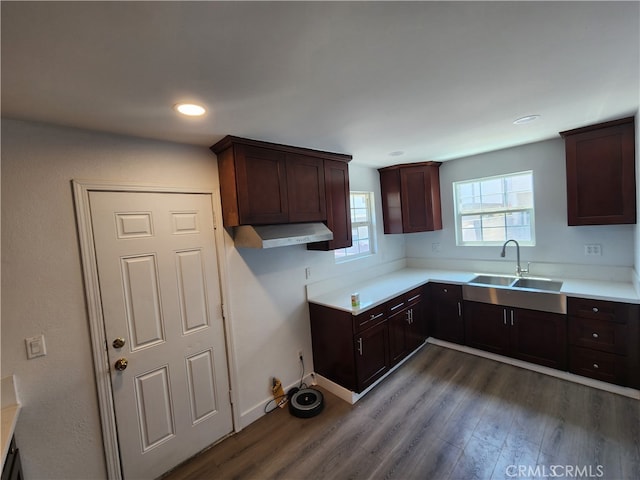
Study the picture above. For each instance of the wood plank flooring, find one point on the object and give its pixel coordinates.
(443, 415)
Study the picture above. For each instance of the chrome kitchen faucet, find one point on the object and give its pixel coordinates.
(519, 270)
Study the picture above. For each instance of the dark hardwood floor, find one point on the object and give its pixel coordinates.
(442, 415)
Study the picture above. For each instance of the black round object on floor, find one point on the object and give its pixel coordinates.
(306, 403)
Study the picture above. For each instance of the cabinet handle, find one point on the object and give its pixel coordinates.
(504, 316)
(445, 290)
(397, 306)
(373, 317)
(411, 314)
(413, 298)
(360, 346)
(459, 309)
(596, 366)
(595, 309)
(408, 317)
(512, 318)
(595, 335)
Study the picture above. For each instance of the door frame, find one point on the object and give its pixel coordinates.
(81, 190)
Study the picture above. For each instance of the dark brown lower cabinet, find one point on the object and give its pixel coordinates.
(355, 351)
(446, 312)
(407, 327)
(536, 337)
(604, 340)
(12, 469)
(372, 354)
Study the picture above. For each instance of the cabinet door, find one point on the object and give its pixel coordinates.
(487, 327)
(420, 191)
(399, 324)
(416, 330)
(305, 189)
(446, 312)
(336, 177)
(601, 174)
(391, 200)
(372, 354)
(261, 185)
(539, 337)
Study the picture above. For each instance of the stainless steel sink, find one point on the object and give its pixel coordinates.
(530, 293)
(538, 284)
(493, 280)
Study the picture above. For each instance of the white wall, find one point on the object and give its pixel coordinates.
(58, 431)
(555, 241)
(269, 309)
(42, 291)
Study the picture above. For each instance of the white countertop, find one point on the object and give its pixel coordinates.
(385, 287)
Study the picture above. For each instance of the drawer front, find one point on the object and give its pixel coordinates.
(414, 296)
(445, 292)
(598, 334)
(597, 309)
(370, 317)
(599, 365)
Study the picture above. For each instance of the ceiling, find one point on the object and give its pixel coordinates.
(435, 80)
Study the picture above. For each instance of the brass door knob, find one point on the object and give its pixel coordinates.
(121, 364)
(118, 342)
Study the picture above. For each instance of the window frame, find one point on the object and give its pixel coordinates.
(370, 223)
(458, 216)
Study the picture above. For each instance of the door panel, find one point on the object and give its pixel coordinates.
(142, 301)
(160, 292)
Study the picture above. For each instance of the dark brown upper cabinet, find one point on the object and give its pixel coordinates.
(411, 197)
(601, 187)
(264, 183)
(336, 178)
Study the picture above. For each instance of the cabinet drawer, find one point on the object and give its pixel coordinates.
(598, 334)
(446, 292)
(598, 309)
(413, 296)
(370, 317)
(599, 365)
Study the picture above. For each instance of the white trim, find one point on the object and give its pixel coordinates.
(81, 189)
(352, 397)
(257, 411)
(571, 377)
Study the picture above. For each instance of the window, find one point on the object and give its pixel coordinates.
(362, 227)
(491, 210)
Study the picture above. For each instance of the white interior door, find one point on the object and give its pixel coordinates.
(160, 292)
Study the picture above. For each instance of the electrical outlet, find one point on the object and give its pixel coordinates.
(307, 273)
(593, 249)
(35, 347)
(435, 247)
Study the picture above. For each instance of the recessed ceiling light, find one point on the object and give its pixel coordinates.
(527, 119)
(397, 153)
(190, 109)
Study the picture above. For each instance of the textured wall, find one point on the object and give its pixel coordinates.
(42, 291)
(555, 241)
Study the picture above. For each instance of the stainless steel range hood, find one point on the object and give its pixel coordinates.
(269, 236)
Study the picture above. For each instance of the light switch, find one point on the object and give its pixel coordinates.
(35, 346)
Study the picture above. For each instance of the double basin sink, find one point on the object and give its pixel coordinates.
(521, 292)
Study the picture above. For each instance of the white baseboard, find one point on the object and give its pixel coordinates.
(257, 411)
(352, 397)
(571, 377)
